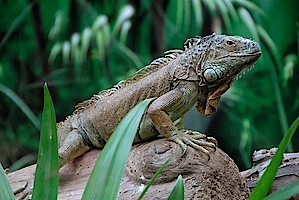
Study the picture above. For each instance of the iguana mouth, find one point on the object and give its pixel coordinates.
(259, 53)
(256, 53)
(247, 66)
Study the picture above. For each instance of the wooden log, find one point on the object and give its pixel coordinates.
(287, 173)
(217, 178)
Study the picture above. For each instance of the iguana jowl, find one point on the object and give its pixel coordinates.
(200, 73)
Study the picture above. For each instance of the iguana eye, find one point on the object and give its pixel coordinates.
(229, 43)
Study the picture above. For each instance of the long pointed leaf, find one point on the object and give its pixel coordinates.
(110, 166)
(177, 192)
(264, 184)
(197, 7)
(224, 13)
(21, 104)
(248, 22)
(5, 189)
(46, 176)
(285, 192)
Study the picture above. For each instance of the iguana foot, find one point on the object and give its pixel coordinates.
(24, 193)
(194, 139)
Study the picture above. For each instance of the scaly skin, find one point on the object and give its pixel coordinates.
(201, 73)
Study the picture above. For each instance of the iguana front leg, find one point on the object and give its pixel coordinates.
(72, 146)
(176, 103)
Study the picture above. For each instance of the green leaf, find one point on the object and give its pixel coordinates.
(15, 24)
(130, 54)
(224, 13)
(289, 68)
(179, 12)
(177, 192)
(264, 184)
(66, 52)
(211, 6)
(105, 178)
(249, 6)
(248, 22)
(271, 46)
(99, 22)
(285, 192)
(5, 189)
(282, 114)
(155, 176)
(198, 13)
(85, 43)
(54, 53)
(46, 176)
(21, 104)
(124, 31)
(231, 9)
(126, 13)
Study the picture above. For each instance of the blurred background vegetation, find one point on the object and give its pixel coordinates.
(81, 47)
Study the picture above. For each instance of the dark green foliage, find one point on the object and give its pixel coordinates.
(91, 45)
(263, 186)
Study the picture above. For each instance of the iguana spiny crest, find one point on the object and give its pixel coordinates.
(214, 59)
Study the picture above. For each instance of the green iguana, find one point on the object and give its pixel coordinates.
(200, 73)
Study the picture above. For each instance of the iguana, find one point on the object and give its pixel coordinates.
(200, 73)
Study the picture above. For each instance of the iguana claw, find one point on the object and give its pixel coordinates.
(194, 139)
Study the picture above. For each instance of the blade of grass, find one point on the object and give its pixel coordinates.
(155, 176)
(285, 192)
(177, 192)
(248, 21)
(271, 46)
(197, 7)
(130, 54)
(282, 114)
(21, 104)
(224, 13)
(264, 184)
(179, 11)
(124, 31)
(46, 176)
(15, 24)
(126, 13)
(211, 6)
(54, 53)
(249, 6)
(5, 189)
(110, 166)
(187, 13)
(85, 44)
(231, 9)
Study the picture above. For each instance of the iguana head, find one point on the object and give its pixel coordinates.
(225, 57)
(219, 61)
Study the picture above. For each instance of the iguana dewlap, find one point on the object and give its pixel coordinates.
(200, 73)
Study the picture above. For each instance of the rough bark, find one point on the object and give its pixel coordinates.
(287, 173)
(217, 178)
